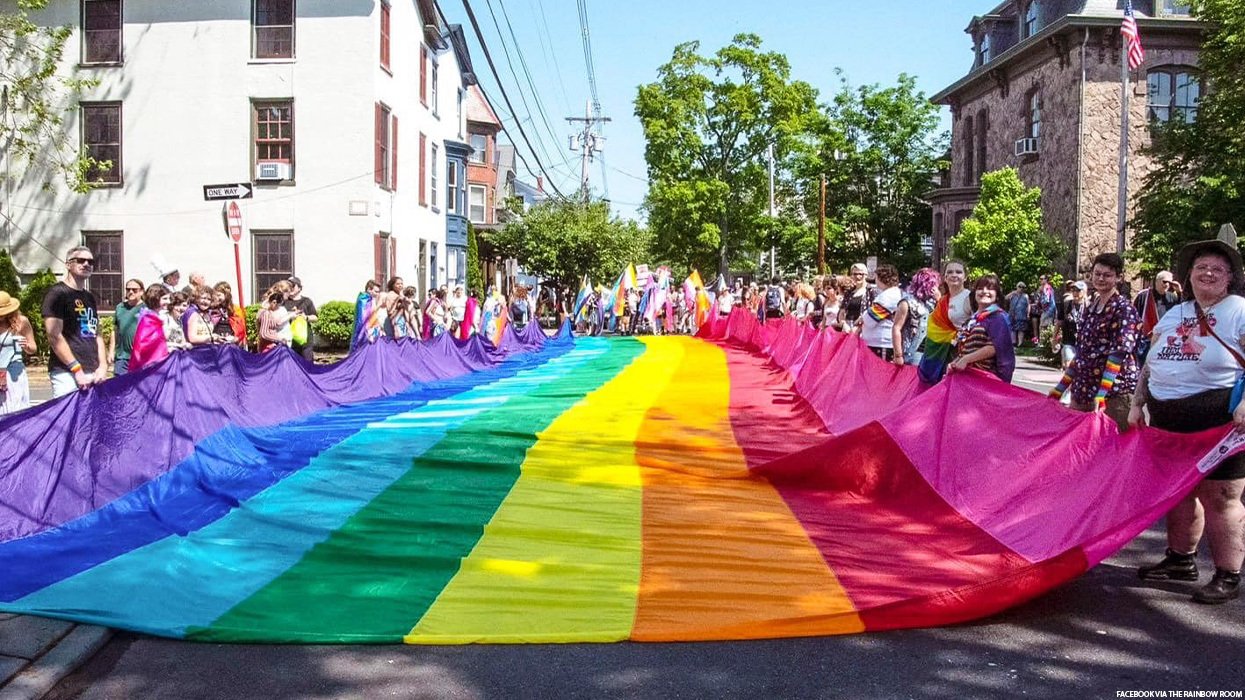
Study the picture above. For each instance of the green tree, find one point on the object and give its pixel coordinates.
(35, 99)
(9, 281)
(564, 240)
(879, 149)
(1004, 235)
(708, 122)
(32, 307)
(1198, 182)
(475, 274)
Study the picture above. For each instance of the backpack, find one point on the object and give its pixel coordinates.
(773, 299)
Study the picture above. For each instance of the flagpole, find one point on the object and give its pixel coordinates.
(1122, 204)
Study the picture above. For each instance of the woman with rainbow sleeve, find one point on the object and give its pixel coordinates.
(1104, 372)
(950, 313)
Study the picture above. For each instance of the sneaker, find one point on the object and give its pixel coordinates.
(1174, 567)
(1223, 586)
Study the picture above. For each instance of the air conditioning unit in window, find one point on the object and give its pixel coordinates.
(1026, 146)
(272, 170)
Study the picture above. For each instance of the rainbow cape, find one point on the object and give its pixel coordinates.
(562, 490)
(939, 342)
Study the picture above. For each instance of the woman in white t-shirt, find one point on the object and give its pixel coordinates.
(878, 319)
(1186, 384)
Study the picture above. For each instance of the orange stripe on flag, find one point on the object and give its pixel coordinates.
(724, 558)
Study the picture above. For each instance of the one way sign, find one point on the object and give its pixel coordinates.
(240, 190)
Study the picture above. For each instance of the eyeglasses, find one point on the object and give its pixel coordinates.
(133, 289)
(82, 261)
(1211, 270)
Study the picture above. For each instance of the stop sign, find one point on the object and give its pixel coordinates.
(233, 221)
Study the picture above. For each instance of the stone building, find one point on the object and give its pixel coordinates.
(1043, 95)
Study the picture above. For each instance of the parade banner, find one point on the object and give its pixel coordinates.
(758, 481)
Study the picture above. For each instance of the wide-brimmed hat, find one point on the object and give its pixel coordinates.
(8, 304)
(1224, 245)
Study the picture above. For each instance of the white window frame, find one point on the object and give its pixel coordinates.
(451, 186)
(432, 172)
(483, 218)
(433, 86)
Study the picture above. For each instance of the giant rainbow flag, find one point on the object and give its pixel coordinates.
(758, 481)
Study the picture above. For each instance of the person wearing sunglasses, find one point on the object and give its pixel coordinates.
(71, 319)
(125, 324)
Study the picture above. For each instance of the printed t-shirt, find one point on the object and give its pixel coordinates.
(79, 322)
(879, 318)
(1184, 362)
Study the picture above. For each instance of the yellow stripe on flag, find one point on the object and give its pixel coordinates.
(560, 560)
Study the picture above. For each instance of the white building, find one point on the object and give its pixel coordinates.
(339, 111)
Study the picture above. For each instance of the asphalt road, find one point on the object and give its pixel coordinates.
(1105, 633)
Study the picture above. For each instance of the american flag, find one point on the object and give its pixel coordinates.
(1136, 54)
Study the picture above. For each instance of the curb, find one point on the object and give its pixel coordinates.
(65, 657)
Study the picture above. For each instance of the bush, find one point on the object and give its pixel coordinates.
(9, 281)
(252, 327)
(334, 325)
(107, 326)
(32, 308)
(1046, 352)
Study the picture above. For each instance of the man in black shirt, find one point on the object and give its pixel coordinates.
(71, 318)
(297, 302)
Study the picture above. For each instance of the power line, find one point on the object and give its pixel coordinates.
(522, 93)
(540, 106)
(590, 67)
(547, 53)
(475, 26)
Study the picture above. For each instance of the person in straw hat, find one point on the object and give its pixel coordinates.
(1187, 384)
(16, 336)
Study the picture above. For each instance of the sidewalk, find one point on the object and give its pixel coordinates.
(37, 653)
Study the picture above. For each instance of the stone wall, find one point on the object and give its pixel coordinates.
(1090, 228)
(1100, 193)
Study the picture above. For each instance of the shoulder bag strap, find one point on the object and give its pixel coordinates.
(1205, 325)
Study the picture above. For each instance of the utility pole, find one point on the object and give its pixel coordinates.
(769, 153)
(586, 142)
(821, 229)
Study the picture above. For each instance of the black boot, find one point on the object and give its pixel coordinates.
(1223, 586)
(1174, 567)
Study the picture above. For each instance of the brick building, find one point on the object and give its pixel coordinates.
(1043, 96)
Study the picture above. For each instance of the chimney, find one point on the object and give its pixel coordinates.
(540, 183)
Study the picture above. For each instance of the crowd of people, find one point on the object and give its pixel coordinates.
(395, 312)
(1172, 354)
(150, 323)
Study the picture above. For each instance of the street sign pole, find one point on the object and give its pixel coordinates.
(233, 225)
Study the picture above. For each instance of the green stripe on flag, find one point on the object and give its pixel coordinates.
(373, 579)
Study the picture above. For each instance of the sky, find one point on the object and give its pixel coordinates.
(872, 42)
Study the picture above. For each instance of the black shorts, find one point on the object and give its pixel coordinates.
(1196, 413)
(887, 354)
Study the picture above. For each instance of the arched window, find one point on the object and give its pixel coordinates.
(1030, 26)
(1172, 92)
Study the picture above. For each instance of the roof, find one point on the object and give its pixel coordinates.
(1081, 13)
(478, 108)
